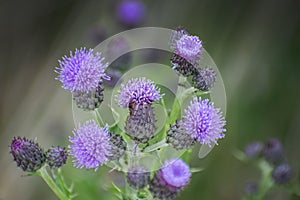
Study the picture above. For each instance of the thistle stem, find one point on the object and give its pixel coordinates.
(47, 178)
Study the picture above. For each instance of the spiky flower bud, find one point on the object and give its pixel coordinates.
(205, 79)
(117, 146)
(138, 176)
(28, 155)
(170, 179)
(89, 100)
(182, 66)
(282, 173)
(140, 124)
(56, 156)
(178, 137)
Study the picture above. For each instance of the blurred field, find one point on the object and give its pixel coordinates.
(255, 44)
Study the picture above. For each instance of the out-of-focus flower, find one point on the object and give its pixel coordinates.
(170, 179)
(90, 146)
(204, 122)
(250, 188)
(131, 12)
(138, 176)
(253, 149)
(273, 151)
(28, 155)
(56, 156)
(138, 91)
(204, 79)
(178, 137)
(282, 173)
(82, 71)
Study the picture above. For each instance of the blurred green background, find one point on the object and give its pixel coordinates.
(255, 44)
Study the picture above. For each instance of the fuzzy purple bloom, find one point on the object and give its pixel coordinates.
(282, 173)
(82, 71)
(189, 47)
(176, 173)
(131, 12)
(91, 146)
(138, 91)
(204, 122)
(186, 46)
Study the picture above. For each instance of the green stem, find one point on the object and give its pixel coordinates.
(47, 178)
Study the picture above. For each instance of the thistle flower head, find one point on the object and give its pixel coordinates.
(188, 47)
(82, 71)
(253, 149)
(282, 173)
(204, 122)
(90, 145)
(138, 91)
(56, 156)
(28, 155)
(170, 179)
(176, 173)
(273, 151)
(204, 79)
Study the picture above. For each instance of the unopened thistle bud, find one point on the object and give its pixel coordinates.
(56, 156)
(178, 137)
(273, 151)
(117, 146)
(28, 155)
(138, 176)
(282, 173)
(205, 79)
(140, 124)
(89, 100)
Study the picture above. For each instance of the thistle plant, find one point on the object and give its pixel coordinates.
(276, 172)
(95, 142)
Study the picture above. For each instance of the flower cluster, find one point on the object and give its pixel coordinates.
(30, 157)
(272, 153)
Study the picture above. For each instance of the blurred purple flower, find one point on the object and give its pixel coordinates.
(282, 173)
(253, 149)
(82, 71)
(138, 91)
(131, 12)
(170, 179)
(90, 145)
(204, 122)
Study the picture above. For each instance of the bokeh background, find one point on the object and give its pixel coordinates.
(255, 44)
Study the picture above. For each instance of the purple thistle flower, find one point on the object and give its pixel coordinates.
(253, 149)
(186, 46)
(170, 179)
(28, 155)
(205, 79)
(282, 173)
(138, 91)
(91, 146)
(82, 71)
(204, 122)
(189, 47)
(131, 12)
